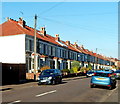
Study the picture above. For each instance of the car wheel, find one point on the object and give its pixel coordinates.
(39, 83)
(53, 82)
(60, 81)
(92, 86)
(110, 88)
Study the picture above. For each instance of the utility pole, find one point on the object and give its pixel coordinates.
(96, 60)
(35, 47)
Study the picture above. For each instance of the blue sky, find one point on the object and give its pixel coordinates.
(92, 24)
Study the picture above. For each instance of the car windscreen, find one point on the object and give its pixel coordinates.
(102, 74)
(47, 72)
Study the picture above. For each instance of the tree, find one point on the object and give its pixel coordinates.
(75, 66)
(89, 67)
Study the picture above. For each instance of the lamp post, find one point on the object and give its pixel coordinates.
(96, 60)
(35, 47)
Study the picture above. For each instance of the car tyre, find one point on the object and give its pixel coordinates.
(60, 81)
(39, 83)
(110, 88)
(92, 86)
(53, 82)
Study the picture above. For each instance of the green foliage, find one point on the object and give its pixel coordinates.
(89, 67)
(75, 64)
(75, 67)
(83, 69)
(71, 71)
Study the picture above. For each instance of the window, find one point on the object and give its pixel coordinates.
(54, 50)
(27, 44)
(49, 50)
(58, 52)
(46, 49)
(31, 45)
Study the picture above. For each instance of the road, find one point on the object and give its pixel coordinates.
(71, 90)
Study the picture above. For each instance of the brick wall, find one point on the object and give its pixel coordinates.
(31, 75)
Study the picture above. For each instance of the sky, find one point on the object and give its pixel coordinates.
(91, 24)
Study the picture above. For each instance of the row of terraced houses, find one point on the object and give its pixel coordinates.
(17, 42)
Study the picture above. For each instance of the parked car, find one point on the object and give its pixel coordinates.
(50, 76)
(103, 78)
(117, 74)
(89, 73)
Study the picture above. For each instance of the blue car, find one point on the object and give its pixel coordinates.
(103, 78)
(50, 76)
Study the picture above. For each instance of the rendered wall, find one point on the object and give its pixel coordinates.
(12, 49)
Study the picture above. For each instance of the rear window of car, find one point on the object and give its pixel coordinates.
(101, 74)
(118, 71)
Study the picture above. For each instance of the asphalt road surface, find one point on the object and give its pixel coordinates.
(71, 90)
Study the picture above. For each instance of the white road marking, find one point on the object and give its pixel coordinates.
(46, 93)
(15, 102)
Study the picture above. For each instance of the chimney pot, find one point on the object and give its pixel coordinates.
(68, 43)
(75, 44)
(43, 31)
(21, 22)
(7, 18)
(57, 37)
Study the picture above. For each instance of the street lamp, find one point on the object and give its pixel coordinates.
(35, 48)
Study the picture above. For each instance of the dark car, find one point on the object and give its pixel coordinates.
(117, 74)
(50, 76)
(103, 78)
(89, 73)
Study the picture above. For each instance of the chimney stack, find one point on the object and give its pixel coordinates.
(75, 44)
(68, 43)
(7, 18)
(82, 46)
(21, 22)
(57, 37)
(43, 32)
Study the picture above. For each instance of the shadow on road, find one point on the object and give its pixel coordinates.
(75, 78)
(4, 89)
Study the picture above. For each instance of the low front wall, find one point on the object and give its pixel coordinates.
(30, 76)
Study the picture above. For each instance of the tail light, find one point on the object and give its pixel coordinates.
(114, 73)
(94, 74)
(108, 85)
(109, 75)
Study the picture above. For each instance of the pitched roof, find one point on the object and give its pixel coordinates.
(12, 27)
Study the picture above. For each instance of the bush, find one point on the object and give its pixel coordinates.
(45, 67)
(71, 71)
(89, 67)
(75, 67)
(75, 64)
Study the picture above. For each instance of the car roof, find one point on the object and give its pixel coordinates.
(50, 69)
(102, 71)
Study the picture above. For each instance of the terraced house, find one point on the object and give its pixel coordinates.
(17, 42)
